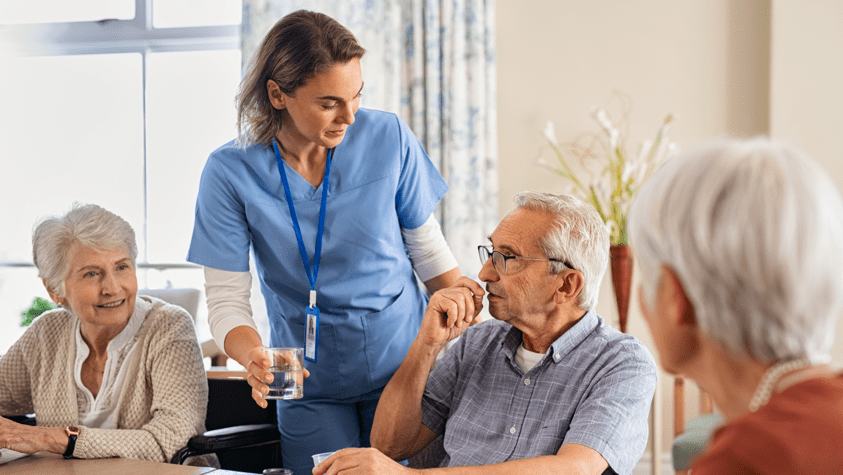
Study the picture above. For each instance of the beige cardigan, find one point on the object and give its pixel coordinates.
(159, 408)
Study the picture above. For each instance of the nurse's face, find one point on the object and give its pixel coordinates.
(322, 109)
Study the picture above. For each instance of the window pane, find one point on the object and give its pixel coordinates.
(72, 130)
(18, 288)
(190, 113)
(182, 13)
(54, 11)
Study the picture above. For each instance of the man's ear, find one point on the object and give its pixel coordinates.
(680, 307)
(570, 286)
(276, 97)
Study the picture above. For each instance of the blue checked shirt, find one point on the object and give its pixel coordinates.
(593, 387)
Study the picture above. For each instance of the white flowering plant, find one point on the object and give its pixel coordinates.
(604, 174)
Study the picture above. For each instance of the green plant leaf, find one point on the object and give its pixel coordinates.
(38, 307)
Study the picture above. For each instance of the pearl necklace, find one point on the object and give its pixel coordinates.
(772, 376)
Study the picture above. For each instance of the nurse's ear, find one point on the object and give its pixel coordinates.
(276, 97)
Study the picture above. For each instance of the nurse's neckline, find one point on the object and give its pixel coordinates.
(312, 171)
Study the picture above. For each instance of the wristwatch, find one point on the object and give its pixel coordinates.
(72, 433)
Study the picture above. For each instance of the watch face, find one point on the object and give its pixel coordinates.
(72, 430)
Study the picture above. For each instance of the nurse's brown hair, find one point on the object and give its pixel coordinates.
(299, 46)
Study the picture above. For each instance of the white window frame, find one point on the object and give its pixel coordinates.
(110, 36)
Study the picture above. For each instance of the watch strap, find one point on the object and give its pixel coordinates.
(72, 433)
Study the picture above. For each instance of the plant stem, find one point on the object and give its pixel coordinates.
(596, 202)
(568, 170)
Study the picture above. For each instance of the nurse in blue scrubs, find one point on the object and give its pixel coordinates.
(335, 203)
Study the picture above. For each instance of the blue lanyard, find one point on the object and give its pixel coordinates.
(304, 259)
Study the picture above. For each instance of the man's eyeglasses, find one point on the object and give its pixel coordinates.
(499, 259)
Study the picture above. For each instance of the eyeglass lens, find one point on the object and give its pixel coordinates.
(498, 260)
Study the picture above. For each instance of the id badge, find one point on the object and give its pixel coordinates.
(311, 333)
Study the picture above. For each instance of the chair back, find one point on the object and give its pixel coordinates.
(230, 404)
(187, 299)
(243, 436)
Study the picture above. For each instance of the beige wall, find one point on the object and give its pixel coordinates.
(806, 93)
(711, 62)
(703, 60)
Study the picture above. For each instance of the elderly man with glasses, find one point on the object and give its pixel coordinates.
(547, 388)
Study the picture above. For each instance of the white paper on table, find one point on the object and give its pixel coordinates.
(7, 455)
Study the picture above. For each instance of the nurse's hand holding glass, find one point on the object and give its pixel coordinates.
(335, 202)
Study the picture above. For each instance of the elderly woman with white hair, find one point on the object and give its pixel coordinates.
(741, 247)
(109, 374)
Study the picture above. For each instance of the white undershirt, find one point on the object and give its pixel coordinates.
(428, 251)
(228, 293)
(527, 359)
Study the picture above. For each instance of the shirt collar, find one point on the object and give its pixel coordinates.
(142, 308)
(126, 335)
(562, 345)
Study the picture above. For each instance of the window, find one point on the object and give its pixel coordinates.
(113, 102)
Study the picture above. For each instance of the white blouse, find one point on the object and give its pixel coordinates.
(101, 411)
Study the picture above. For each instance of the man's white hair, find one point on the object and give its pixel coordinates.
(578, 237)
(753, 229)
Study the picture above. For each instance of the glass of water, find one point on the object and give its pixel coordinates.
(287, 372)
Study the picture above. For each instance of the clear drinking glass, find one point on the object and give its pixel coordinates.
(287, 371)
(318, 458)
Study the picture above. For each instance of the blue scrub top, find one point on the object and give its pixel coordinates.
(368, 297)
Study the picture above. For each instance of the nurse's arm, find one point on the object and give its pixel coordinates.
(243, 344)
(431, 256)
(441, 281)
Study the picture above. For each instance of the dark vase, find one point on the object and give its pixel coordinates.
(621, 261)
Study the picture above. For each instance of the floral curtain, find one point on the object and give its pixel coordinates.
(433, 63)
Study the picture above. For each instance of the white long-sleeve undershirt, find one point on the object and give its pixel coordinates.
(227, 292)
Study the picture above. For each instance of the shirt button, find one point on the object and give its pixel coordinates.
(556, 356)
(512, 430)
(527, 382)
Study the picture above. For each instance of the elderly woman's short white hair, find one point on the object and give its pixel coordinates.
(754, 232)
(579, 237)
(90, 225)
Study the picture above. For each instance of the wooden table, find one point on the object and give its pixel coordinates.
(221, 372)
(44, 463)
